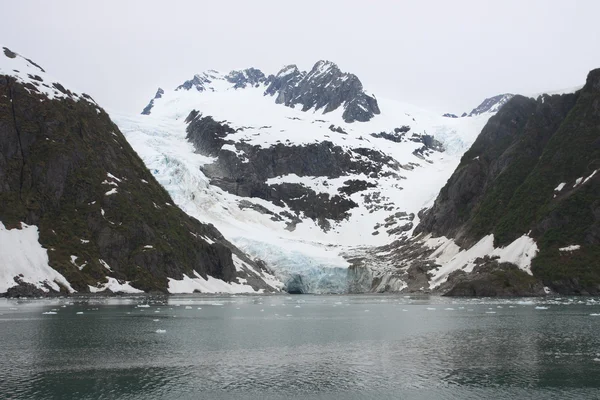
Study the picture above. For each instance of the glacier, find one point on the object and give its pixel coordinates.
(308, 258)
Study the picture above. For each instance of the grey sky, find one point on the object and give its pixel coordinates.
(440, 55)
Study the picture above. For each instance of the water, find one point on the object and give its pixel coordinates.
(299, 347)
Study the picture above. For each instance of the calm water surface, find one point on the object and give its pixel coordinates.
(299, 347)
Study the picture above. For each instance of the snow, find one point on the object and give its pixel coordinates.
(287, 71)
(590, 176)
(105, 265)
(111, 176)
(208, 240)
(22, 254)
(572, 247)
(111, 191)
(578, 181)
(160, 140)
(209, 285)
(554, 91)
(560, 187)
(114, 286)
(25, 72)
(520, 253)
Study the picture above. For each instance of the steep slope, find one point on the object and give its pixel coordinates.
(80, 211)
(491, 104)
(522, 209)
(298, 186)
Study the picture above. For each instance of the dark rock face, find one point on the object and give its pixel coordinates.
(208, 135)
(449, 115)
(498, 149)
(148, 109)
(324, 87)
(55, 161)
(491, 104)
(399, 135)
(199, 82)
(247, 77)
(245, 171)
(25, 289)
(493, 279)
(283, 84)
(532, 170)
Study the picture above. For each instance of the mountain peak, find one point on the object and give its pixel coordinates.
(198, 82)
(325, 87)
(287, 70)
(323, 67)
(592, 82)
(148, 108)
(34, 77)
(491, 104)
(247, 77)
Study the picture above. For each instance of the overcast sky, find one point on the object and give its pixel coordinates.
(440, 55)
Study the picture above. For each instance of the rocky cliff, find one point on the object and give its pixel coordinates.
(325, 87)
(104, 221)
(533, 172)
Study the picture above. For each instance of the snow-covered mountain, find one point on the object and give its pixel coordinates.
(299, 169)
(79, 211)
(491, 105)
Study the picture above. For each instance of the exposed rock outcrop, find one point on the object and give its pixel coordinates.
(492, 104)
(245, 171)
(148, 109)
(323, 87)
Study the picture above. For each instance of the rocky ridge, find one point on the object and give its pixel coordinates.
(325, 88)
(104, 222)
(519, 216)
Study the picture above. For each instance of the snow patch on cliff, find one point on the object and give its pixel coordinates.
(21, 254)
(451, 258)
(209, 285)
